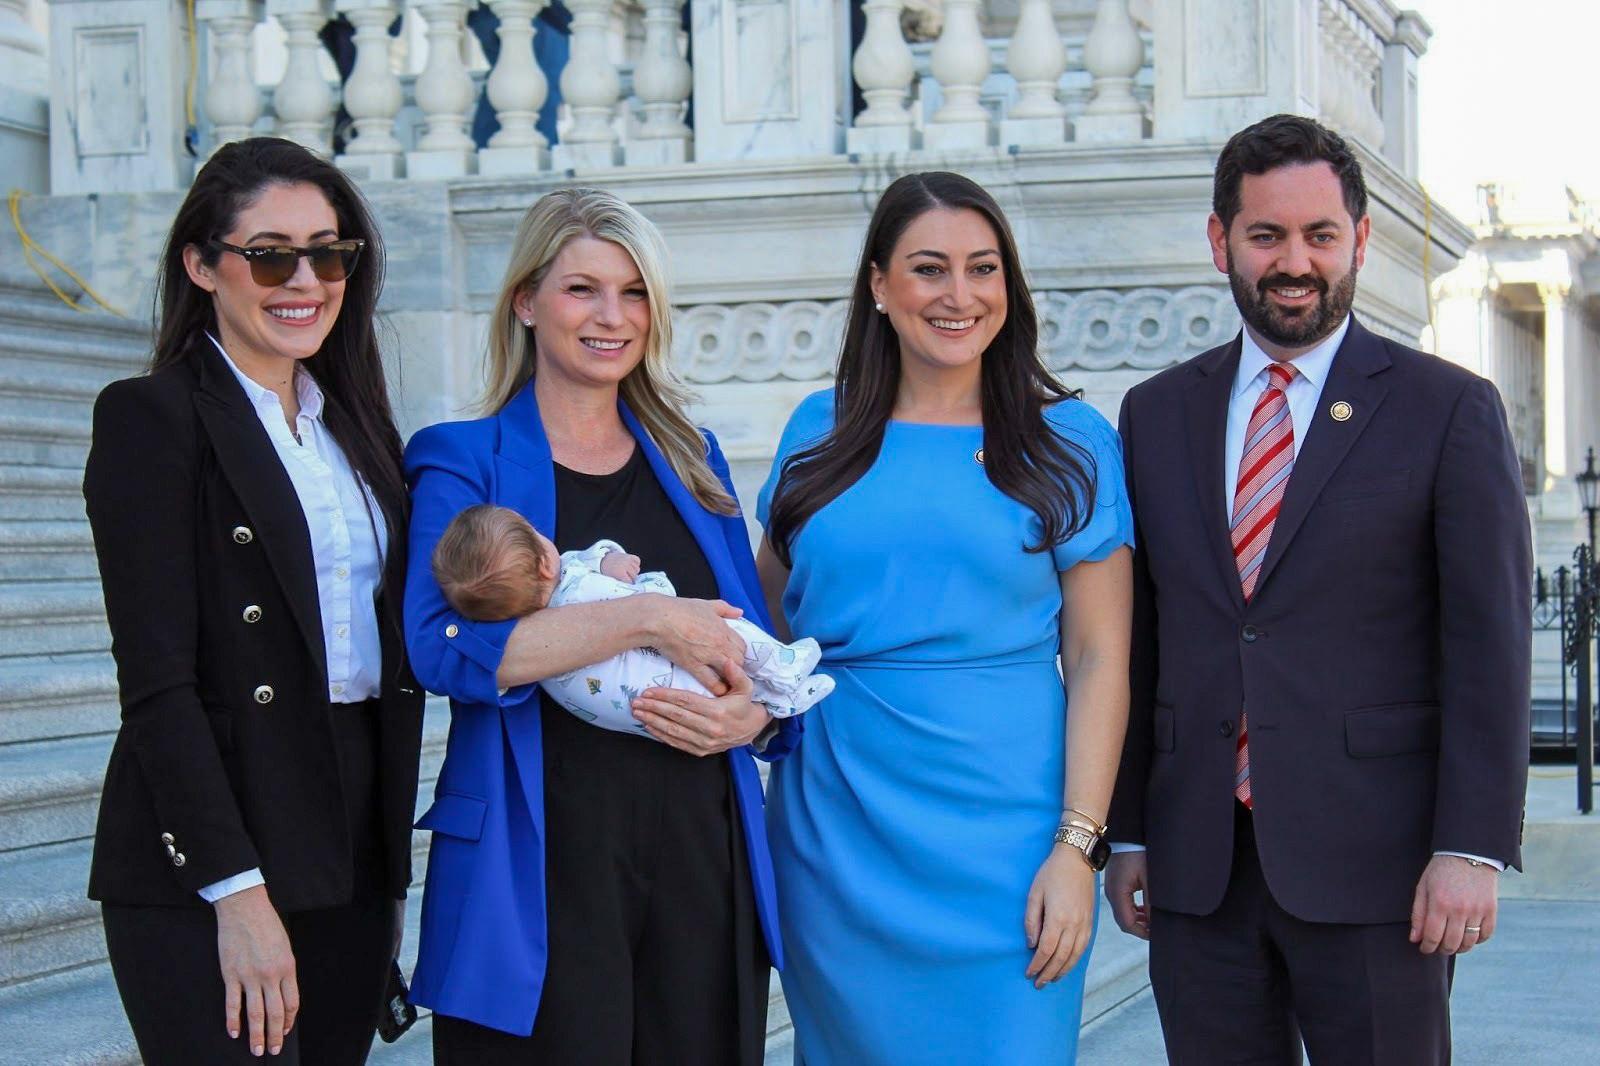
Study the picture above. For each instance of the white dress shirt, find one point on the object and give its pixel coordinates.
(348, 543)
(1304, 393)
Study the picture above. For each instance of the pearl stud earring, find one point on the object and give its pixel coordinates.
(879, 307)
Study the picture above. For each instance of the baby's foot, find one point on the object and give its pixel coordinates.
(812, 691)
(808, 653)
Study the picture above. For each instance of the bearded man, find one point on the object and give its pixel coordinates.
(1327, 753)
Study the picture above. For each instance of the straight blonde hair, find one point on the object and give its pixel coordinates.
(651, 390)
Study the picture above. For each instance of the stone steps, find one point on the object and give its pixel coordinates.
(52, 696)
(42, 617)
(38, 493)
(45, 549)
(49, 793)
(50, 790)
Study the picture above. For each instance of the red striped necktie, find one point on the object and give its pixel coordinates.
(1264, 469)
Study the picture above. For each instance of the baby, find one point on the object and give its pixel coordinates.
(491, 564)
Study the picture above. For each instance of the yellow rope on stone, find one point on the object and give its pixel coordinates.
(30, 246)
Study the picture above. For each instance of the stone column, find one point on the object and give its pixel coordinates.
(1037, 58)
(661, 80)
(1112, 54)
(960, 63)
(372, 96)
(1562, 380)
(1400, 55)
(884, 68)
(24, 100)
(750, 101)
(304, 100)
(116, 93)
(590, 87)
(445, 94)
(517, 88)
(231, 99)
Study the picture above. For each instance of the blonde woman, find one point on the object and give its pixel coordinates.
(593, 897)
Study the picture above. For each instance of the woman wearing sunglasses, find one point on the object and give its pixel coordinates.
(249, 516)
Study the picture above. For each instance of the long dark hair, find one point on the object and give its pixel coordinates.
(347, 367)
(1022, 456)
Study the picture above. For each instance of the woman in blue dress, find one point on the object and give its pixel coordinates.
(947, 522)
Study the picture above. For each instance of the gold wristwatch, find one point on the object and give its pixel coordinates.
(1088, 839)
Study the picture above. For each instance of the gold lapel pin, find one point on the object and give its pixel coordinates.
(977, 456)
(1341, 411)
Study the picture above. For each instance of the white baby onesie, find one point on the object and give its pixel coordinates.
(602, 694)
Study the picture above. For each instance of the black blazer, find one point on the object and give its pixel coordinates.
(195, 520)
(1384, 658)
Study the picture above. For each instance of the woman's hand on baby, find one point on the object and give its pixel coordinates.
(621, 566)
(695, 635)
(704, 725)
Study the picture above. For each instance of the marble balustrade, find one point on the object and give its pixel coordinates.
(662, 83)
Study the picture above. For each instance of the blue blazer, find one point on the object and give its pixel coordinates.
(485, 962)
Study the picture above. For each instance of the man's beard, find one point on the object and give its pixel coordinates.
(1299, 328)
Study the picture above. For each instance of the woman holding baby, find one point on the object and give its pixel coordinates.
(594, 895)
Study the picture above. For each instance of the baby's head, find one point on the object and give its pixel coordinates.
(492, 565)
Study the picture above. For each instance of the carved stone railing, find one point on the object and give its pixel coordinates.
(769, 79)
(1090, 330)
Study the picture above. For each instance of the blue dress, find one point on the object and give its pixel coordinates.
(907, 826)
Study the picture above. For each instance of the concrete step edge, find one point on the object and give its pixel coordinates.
(35, 601)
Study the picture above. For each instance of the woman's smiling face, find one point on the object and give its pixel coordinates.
(944, 287)
(257, 323)
(590, 314)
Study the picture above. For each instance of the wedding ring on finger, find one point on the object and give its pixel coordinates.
(1475, 930)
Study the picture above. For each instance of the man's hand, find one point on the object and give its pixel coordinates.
(620, 565)
(1455, 905)
(1126, 874)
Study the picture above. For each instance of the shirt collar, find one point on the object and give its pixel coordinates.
(1312, 365)
(305, 386)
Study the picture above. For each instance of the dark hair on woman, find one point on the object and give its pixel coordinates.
(1023, 456)
(1283, 140)
(347, 367)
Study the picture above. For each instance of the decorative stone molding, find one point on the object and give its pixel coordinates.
(1098, 329)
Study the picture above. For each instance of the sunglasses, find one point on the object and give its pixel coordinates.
(274, 265)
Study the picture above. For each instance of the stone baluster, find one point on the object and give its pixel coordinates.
(304, 100)
(884, 68)
(1112, 53)
(517, 88)
(662, 81)
(1036, 58)
(231, 100)
(960, 63)
(445, 93)
(590, 86)
(372, 96)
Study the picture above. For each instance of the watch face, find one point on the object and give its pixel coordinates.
(1099, 855)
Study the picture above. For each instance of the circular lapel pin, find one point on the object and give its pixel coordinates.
(1341, 411)
(977, 456)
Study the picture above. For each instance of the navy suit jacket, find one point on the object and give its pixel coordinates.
(485, 961)
(1384, 658)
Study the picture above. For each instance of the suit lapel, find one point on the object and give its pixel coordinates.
(1354, 378)
(703, 525)
(255, 472)
(1206, 417)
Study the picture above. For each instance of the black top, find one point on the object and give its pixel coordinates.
(630, 507)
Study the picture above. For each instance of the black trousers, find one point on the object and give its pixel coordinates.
(165, 958)
(1249, 982)
(655, 951)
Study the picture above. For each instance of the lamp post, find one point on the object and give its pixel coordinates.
(1582, 641)
(1588, 480)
